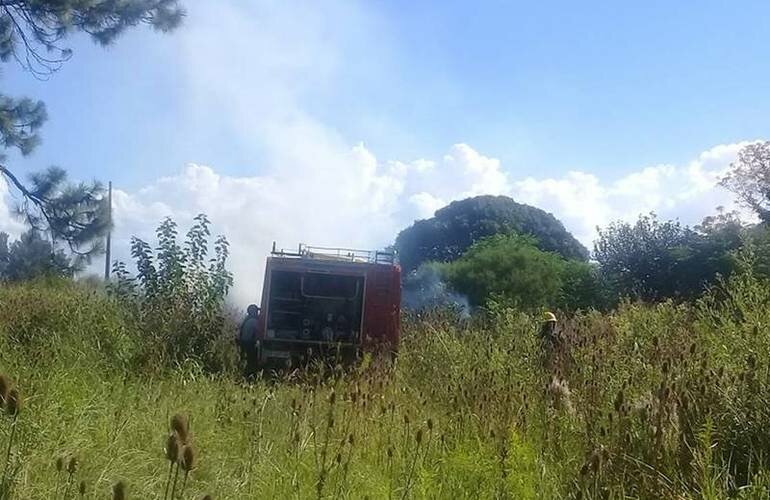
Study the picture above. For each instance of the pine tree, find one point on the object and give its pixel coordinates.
(33, 34)
(32, 256)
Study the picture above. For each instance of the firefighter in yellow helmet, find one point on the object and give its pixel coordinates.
(549, 339)
(548, 328)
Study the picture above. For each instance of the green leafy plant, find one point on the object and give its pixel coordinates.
(178, 294)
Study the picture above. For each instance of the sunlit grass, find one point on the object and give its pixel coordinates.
(649, 402)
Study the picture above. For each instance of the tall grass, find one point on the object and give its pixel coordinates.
(664, 401)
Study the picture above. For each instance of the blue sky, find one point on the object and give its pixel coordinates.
(595, 111)
(544, 86)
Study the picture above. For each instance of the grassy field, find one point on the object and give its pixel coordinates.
(660, 401)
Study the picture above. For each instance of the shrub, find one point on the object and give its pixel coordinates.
(60, 321)
(178, 296)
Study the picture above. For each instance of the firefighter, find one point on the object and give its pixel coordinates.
(548, 328)
(247, 340)
(549, 340)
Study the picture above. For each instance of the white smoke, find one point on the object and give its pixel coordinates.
(250, 76)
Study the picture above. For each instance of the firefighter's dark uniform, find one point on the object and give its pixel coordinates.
(247, 340)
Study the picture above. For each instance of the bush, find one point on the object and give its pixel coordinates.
(47, 321)
(178, 297)
(511, 270)
(650, 401)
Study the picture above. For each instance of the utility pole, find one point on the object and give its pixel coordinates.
(109, 234)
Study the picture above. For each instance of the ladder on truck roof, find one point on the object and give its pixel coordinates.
(337, 254)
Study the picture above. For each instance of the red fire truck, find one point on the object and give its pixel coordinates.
(337, 301)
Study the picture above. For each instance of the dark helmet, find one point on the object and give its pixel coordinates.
(252, 310)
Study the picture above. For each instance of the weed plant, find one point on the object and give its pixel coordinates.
(649, 401)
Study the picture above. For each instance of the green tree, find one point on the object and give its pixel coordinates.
(178, 293)
(654, 260)
(32, 33)
(456, 227)
(757, 249)
(510, 269)
(583, 287)
(749, 178)
(30, 257)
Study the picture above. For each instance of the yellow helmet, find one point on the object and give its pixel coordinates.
(549, 317)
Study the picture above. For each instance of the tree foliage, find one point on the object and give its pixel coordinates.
(74, 213)
(583, 287)
(511, 269)
(179, 292)
(20, 121)
(30, 257)
(749, 178)
(454, 228)
(654, 260)
(32, 33)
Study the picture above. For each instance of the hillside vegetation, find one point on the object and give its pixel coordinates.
(454, 228)
(664, 401)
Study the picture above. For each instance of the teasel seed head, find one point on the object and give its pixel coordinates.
(72, 465)
(351, 439)
(180, 426)
(13, 403)
(119, 491)
(596, 460)
(418, 437)
(82, 488)
(619, 401)
(59, 464)
(390, 452)
(172, 447)
(332, 397)
(338, 458)
(208, 497)
(188, 458)
(430, 424)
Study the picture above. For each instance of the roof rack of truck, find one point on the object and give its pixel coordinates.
(336, 254)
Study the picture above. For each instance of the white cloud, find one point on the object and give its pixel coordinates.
(251, 73)
(687, 192)
(364, 202)
(9, 223)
